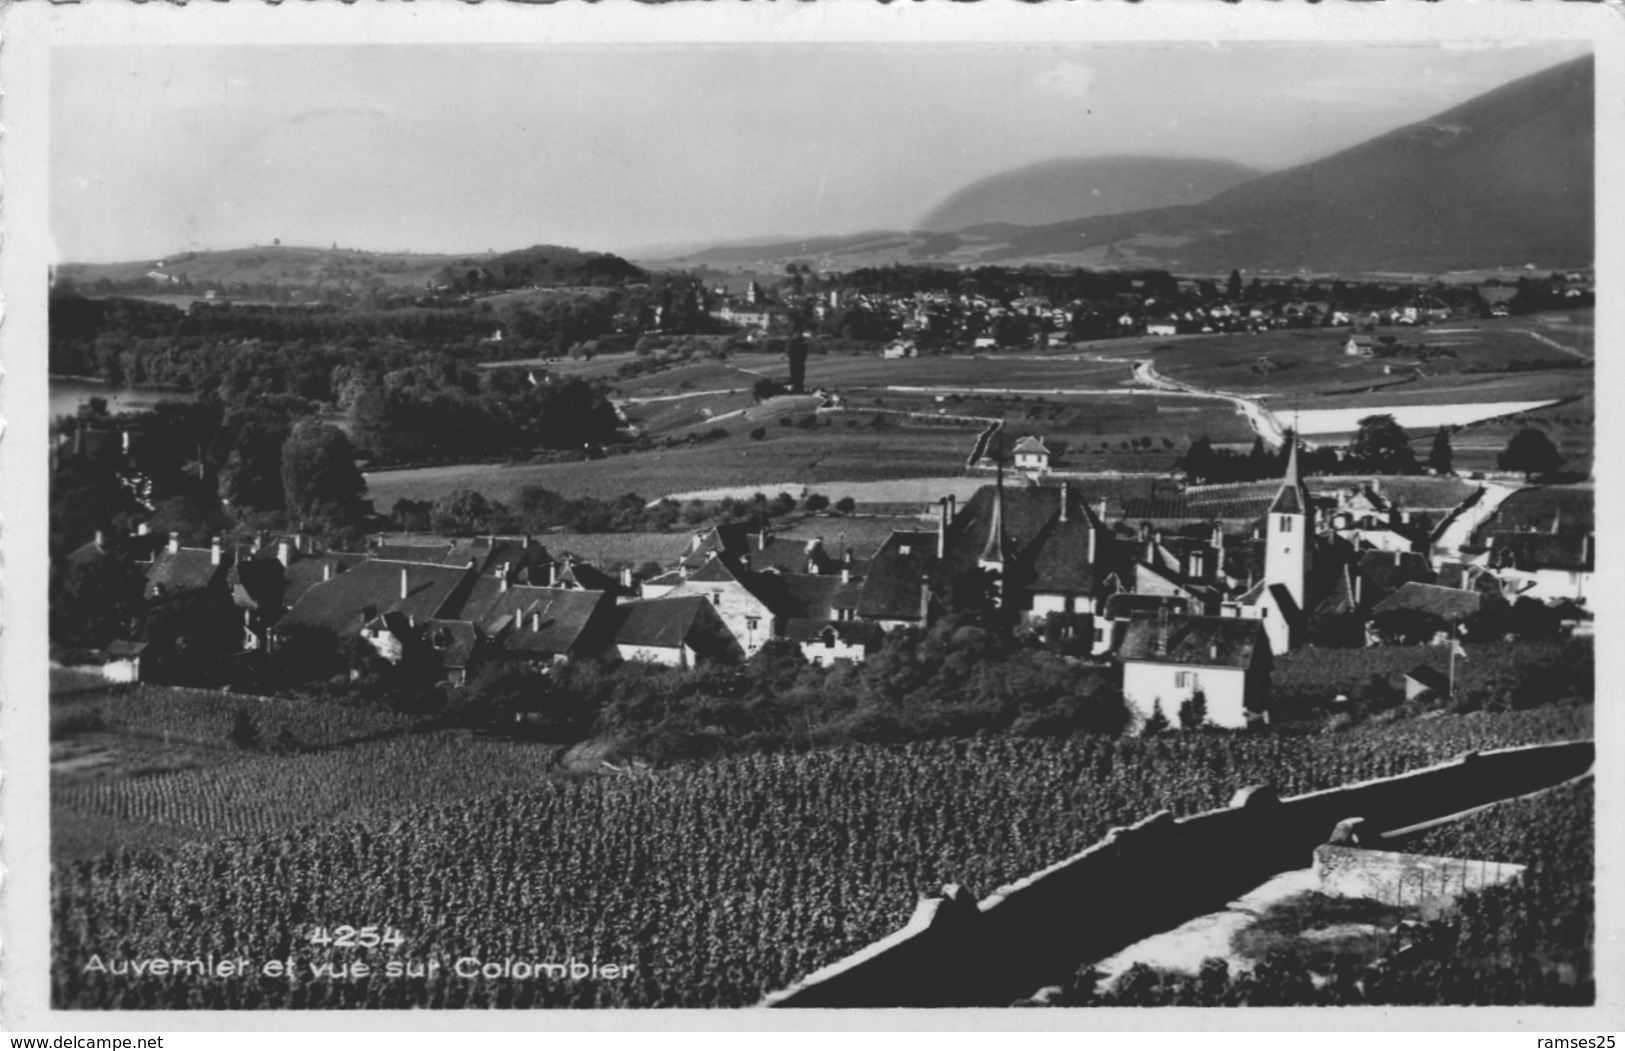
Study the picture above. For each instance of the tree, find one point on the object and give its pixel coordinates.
(321, 482)
(1156, 723)
(1198, 462)
(1439, 458)
(1193, 712)
(462, 512)
(1232, 288)
(1531, 452)
(798, 364)
(1382, 445)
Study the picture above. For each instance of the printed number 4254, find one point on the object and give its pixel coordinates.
(346, 937)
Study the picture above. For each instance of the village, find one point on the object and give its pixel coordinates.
(1192, 609)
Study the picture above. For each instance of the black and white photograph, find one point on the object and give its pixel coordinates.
(845, 516)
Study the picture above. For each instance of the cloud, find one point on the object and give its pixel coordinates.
(1070, 80)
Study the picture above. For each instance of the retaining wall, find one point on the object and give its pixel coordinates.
(1150, 877)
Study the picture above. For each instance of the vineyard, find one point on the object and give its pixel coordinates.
(207, 716)
(716, 882)
(1529, 942)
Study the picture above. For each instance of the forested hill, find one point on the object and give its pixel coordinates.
(302, 274)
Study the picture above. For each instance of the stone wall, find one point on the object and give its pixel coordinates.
(1150, 877)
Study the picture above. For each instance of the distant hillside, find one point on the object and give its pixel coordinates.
(1065, 188)
(291, 267)
(1503, 180)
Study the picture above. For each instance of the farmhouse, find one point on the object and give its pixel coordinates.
(1360, 346)
(1031, 454)
(1169, 659)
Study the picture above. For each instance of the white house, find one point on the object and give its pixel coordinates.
(1031, 454)
(1168, 659)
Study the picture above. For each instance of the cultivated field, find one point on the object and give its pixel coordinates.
(720, 881)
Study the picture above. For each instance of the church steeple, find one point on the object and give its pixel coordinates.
(1293, 499)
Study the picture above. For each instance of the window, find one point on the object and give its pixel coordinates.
(716, 598)
(751, 623)
(1285, 524)
(1100, 634)
(1186, 680)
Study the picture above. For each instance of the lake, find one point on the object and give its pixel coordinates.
(67, 395)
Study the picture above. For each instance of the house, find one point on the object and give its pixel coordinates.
(897, 590)
(1544, 566)
(728, 587)
(416, 592)
(547, 625)
(1031, 454)
(1422, 611)
(1360, 346)
(823, 643)
(1162, 327)
(177, 568)
(677, 632)
(899, 348)
(121, 661)
(1168, 659)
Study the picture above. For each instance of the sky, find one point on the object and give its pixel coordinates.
(156, 150)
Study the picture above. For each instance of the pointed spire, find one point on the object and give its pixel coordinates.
(1293, 499)
(995, 550)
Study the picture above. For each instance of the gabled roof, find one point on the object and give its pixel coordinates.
(663, 623)
(1228, 642)
(307, 571)
(429, 554)
(1383, 572)
(1030, 444)
(569, 620)
(190, 567)
(1448, 603)
(337, 604)
(1061, 562)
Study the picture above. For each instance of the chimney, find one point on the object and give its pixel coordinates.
(1359, 588)
(552, 574)
(214, 551)
(846, 573)
(284, 553)
(1066, 498)
(1100, 510)
(502, 578)
(404, 588)
(1092, 531)
(626, 577)
(327, 571)
(536, 620)
(174, 543)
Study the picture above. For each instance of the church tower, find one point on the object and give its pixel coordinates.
(1290, 533)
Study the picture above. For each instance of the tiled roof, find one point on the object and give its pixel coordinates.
(571, 622)
(337, 604)
(1430, 677)
(1428, 598)
(1531, 551)
(1382, 573)
(1230, 642)
(659, 622)
(190, 567)
(891, 591)
(1061, 562)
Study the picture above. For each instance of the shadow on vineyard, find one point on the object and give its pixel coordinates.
(705, 884)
